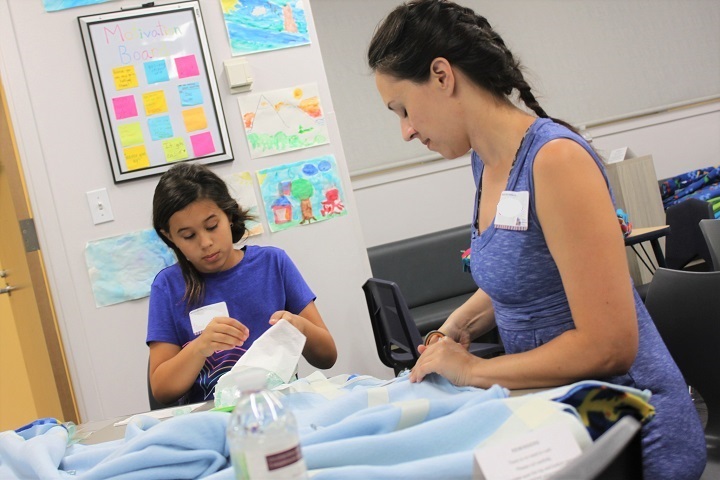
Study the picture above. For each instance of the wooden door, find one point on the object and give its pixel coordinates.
(34, 379)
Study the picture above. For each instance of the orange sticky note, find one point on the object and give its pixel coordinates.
(136, 157)
(194, 119)
(155, 102)
(125, 77)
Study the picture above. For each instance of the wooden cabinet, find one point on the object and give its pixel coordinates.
(636, 190)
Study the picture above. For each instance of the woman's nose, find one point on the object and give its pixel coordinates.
(408, 132)
(205, 240)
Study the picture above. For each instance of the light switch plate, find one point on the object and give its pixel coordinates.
(100, 206)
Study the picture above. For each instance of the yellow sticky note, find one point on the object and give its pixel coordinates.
(136, 157)
(125, 77)
(154, 102)
(175, 149)
(194, 119)
(130, 134)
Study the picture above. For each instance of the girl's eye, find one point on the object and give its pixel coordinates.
(188, 237)
(213, 227)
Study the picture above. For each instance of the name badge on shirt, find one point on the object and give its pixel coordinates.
(200, 317)
(512, 211)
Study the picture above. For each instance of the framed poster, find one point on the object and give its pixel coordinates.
(155, 87)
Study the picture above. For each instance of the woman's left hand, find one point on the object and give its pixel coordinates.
(295, 320)
(447, 358)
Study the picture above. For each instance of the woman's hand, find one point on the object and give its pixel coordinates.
(447, 358)
(222, 333)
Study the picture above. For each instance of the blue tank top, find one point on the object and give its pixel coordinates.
(516, 270)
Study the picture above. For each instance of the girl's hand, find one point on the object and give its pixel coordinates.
(447, 358)
(222, 333)
(295, 320)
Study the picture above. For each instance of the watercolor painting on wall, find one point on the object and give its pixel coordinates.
(241, 188)
(123, 267)
(261, 25)
(283, 120)
(302, 193)
(55, 5)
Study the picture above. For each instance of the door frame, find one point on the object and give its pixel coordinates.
(52, 339)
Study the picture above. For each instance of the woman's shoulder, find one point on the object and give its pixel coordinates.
(265, 252)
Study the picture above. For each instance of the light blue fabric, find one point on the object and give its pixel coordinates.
(364, 433)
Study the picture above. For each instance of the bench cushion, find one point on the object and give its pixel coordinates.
(428, 268)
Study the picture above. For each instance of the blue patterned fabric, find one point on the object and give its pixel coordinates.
(703, 184)
(517, 271)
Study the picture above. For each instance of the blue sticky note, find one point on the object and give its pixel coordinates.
(160, 127)
(156, 71)
(190, 94)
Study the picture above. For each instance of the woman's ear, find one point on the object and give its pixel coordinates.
(442, 75)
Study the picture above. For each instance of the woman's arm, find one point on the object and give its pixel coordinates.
(319, 349)
(173, 370)
(582, 233)
(470, 320)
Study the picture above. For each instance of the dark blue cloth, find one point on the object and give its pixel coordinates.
(264, 281)
(517, 271)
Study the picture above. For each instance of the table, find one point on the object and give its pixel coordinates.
(652, 235)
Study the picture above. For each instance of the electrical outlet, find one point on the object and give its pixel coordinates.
(100, 206)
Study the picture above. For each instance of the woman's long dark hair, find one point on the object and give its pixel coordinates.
(417, 32)
(180, 186)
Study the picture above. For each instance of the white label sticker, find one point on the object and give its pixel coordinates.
(199, 318)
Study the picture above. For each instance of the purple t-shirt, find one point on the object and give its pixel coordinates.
(264, 281)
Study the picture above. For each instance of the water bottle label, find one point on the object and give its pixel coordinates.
(283, 459)
(255, 464)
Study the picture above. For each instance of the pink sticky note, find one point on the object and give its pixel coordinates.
(124, 107)
(187, 66)
(202, 144)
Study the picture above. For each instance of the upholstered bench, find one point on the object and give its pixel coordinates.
(429, 271)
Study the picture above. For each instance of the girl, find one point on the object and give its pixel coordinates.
(195, 215)
(547, 252)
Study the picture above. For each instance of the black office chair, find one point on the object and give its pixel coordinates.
(616, 454)
(685, 307)
(711, 231)
(396, 334)
(685, 242)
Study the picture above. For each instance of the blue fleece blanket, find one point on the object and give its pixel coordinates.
(350, 428)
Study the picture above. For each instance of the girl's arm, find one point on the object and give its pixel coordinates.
(319, 348)
(173, 370)
(582, 233)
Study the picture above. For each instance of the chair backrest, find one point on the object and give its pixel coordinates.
(685, 307)
(711, 231)
(685, 241)
(395, 332)
(616, 454)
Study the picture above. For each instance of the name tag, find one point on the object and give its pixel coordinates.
(200, 317)
(512, 211)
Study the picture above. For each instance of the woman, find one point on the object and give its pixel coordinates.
(547, 252)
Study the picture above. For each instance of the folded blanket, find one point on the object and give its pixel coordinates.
(350, 428)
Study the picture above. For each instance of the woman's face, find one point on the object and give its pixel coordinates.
(426, 113)
(202, 233)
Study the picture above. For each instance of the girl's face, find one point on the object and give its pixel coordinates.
(202, 233)
(425, 114)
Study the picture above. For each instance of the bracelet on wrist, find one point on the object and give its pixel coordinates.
(432, 334)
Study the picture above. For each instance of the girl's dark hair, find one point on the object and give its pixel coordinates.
(417, 32)
(180, 186)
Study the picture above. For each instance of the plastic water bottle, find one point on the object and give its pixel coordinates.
(262, 434)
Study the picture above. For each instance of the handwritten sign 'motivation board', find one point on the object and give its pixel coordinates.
(156, 89)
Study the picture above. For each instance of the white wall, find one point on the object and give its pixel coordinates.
(61, 146)
(438, 195)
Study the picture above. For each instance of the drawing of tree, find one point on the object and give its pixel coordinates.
(303, 190)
